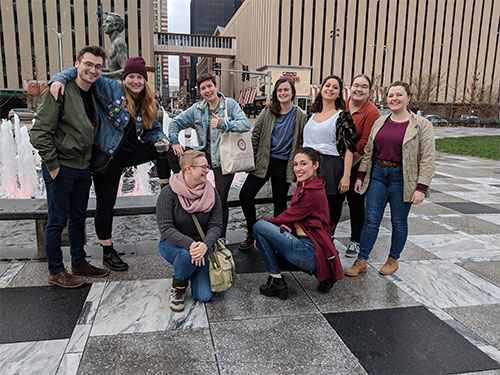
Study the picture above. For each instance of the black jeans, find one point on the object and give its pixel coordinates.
(276, 171)
(106, 185)
(222, 185)
(356, 204)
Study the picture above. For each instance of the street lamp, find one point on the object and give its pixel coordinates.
(59, 36)
(385, 48)
(334, 33)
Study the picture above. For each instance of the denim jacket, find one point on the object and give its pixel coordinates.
(197, 116)
(113, 114)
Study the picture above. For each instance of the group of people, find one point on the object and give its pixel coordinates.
(89, 124)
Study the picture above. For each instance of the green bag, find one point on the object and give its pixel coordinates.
(222, 269)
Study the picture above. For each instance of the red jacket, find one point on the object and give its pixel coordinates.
(309, 207)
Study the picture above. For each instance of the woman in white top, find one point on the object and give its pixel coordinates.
(332, 132)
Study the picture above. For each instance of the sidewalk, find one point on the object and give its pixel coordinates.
(438, 314)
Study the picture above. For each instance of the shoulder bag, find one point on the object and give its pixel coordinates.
(222, 269)
(235, 149)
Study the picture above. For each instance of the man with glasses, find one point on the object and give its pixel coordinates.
(64, 133)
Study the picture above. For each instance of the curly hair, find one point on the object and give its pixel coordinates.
(317, 106)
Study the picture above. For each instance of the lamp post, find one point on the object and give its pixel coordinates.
(385, 48)
(334, 33)
(59, 37)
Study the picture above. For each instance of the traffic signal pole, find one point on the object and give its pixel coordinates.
(252, 74)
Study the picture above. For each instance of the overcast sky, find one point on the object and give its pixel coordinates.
(178, 22)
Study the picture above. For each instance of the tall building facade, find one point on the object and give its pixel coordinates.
(29, 34)
(160, 14)
(446, 49)
(205, 16)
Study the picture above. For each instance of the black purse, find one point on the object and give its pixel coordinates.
(99, 161)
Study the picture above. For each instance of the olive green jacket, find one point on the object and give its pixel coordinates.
(261, 142)
(417, 155)
(62, 132)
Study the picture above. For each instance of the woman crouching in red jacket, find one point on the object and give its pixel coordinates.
(301, 234)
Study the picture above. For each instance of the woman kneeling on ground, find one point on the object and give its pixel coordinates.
(189, 193)
(301, 234)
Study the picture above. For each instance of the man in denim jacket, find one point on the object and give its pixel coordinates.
(207, 119)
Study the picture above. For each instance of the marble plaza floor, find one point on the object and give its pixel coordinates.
(438, 314)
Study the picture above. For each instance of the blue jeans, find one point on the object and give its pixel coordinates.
(386, 185)
(298, 251)
(184, 269)
(67, 199)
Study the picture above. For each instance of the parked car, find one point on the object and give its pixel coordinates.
(24, 114)
(435, 119)
(470, 119)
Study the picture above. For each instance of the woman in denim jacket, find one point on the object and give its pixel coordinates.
(207, 118)
(126, 137)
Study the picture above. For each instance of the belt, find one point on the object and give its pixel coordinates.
(386, 163)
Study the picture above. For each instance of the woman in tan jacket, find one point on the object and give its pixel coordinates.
(397, 168)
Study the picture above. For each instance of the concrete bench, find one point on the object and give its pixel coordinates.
(36, 209)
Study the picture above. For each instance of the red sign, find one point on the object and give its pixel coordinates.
(292, 75)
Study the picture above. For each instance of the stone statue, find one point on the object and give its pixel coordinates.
(117, 54)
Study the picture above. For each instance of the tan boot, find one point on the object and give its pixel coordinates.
(359, 266)
(389, 267)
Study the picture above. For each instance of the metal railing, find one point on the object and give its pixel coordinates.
(193, 40)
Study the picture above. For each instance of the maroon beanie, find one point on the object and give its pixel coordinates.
(135, 65)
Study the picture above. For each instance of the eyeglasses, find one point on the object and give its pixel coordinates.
(204, 167)
(89, 65)
(362, 87)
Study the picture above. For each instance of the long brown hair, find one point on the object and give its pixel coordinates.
(149, 111)
(275, 105)
(317, 106)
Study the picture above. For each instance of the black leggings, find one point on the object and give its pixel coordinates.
(276, 171)
(356, 204)
(106, 185)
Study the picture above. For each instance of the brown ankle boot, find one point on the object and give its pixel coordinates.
(389, 267)
(359, 266)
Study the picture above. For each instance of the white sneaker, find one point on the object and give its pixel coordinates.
(352, 250)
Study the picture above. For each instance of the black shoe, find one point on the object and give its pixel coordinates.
(326, 285)
(248, 243)
(112, 259)
(275, 287)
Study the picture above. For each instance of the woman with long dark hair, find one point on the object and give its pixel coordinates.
(126, 136)
(332, 132)
(302, 233)
(276, 135)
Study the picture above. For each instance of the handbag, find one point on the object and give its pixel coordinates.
(222, 270)
(235, 150)
(99, 161)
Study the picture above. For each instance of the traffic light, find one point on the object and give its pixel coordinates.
(245, 76)
(217, 68)
(262, 85)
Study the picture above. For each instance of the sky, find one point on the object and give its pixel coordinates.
(178, 22)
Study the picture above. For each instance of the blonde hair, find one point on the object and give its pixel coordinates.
(149, 111)
(188, 158)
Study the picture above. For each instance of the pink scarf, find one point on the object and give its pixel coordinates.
(199, 199)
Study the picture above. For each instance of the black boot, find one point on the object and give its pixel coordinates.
(326, 285)
(112, 259)
(248, 243)
(275, 287)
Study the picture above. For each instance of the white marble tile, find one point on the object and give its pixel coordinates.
(78, 338)
(458, 247)
(91, 304)
(69, 364)
(485, 180)
(35, 357)
(443, 284)
(476, 196)
(10, 274)
(492, 218)
(143, 306)
(344, 229)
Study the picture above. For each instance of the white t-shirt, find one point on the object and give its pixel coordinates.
(321, 135)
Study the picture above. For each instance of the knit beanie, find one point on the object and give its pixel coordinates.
(135, 65)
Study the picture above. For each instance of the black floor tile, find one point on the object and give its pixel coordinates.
(470, 207)
(495, 185)
(39, 313)
(407, 341)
